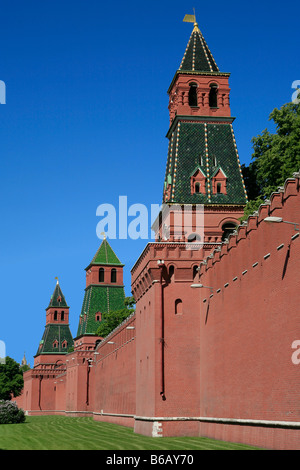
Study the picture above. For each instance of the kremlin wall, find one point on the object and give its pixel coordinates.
(209, 349)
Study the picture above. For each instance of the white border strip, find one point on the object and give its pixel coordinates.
(252, 422)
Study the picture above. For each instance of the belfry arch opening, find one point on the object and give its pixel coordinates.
(213, 95)
(227, 229)
(101, 275)
(113, 275)
(193, 100)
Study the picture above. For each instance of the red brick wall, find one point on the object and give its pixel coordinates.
(171, 376)
(114, 376)
(227, 350)
(248, 326)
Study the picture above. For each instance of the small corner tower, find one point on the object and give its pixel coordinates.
(203, 166)
(104, 290)
(57, 337)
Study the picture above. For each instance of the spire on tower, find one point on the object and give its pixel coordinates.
(197, 56)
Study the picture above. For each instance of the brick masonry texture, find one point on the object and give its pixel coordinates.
(223, 361)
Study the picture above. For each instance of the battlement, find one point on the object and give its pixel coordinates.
(275, 206)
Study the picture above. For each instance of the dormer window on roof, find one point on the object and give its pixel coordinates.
(198, 182)
(219, 182)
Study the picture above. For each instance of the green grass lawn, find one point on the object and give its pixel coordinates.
(66, 433)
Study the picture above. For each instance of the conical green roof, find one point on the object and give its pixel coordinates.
(101, 299)
(197, 57)
(207, 147)
(57, 298)
(106, 255)
(57, 339)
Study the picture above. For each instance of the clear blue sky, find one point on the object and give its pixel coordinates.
(85, 121)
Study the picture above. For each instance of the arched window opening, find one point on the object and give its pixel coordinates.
(227, 229)
(219, 188)
(171, 273)
(113, 275)
(98, 316)
(55, 315)
(197, 188)
(178, 307)
(195, 271)
(213, 96)
(193, 237)
(62, 316)
(193, 101)
(101, 275)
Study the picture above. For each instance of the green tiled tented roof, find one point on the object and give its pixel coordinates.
(52, 333)
(197, 57)
(99, 298)
(54, 300)
(206, 146)
(106, 255)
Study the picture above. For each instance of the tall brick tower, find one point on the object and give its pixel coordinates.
(203, 166)
(104, 290)
(57, 337)
(203, 172)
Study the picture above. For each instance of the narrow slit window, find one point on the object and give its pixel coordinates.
(171, 273)
(193, 100)
(101, 275)
(213, 96)
(113, 275)
(178, 307)
(195, 271)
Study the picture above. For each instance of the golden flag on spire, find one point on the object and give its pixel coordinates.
(189, 19)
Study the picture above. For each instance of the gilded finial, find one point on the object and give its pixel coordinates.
(104, 235)
(56, 280)
(191, 19)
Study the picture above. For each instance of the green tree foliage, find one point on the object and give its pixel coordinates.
(10, 413)
(276, 156)
(24, 368)
(11, 379)
(111, 320)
